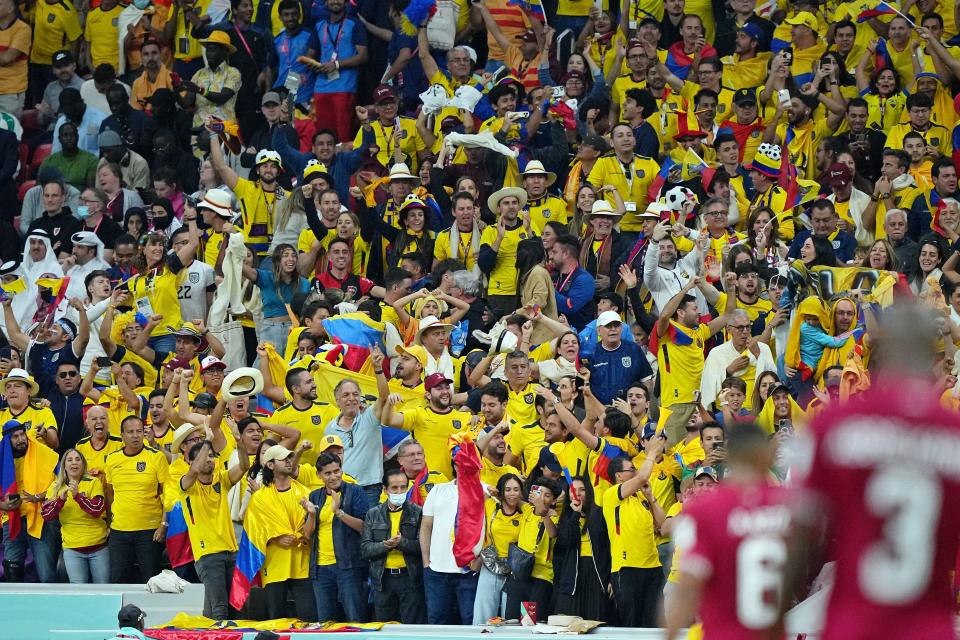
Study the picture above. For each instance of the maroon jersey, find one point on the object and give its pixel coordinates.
(733, 538)
(886, 471)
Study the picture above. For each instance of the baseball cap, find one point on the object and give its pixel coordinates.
(276, 452)
(608, 317)
(595, 142)
(706, 471)
(130, 615)
(804, 18)
(109, 138)
(383, 93)
(753, 31)
(745, 96)
(435, 380)
(204, 400)
(211, 362)
(270, 96)
(417, 351)
(62, 58)
(839, 175)
(329, 441)
(176, 363)
(549, 460)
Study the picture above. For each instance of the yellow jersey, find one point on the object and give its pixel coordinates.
(622, 84)
(533, 537)
(680, 361)
(78, 528)
(137, 482)
(257, 208)
(185, 46)
(207, 511)
(55, 26)
(411, 144)
(935, 136)
(442, 249)
(503, 276)
(36, 416)
(288, 516)
(157, 293)
(525, 442)
(96, 458)
(803, 144)
(521, 405)
(630, 526)
(492, 472)
(432, 430)
(545, 209)
(724, 103)
(631, 180)
(102, 35)
(502, 529)
(118, 409)
(395, 558)
(599, 481)
(311, 422)
(326, 554)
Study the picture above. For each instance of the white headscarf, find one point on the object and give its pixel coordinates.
(25, 304)
(78, 273)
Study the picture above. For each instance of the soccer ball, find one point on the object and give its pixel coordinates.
(769, 150)
(677, 197)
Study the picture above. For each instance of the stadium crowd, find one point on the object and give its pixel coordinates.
(442, 312)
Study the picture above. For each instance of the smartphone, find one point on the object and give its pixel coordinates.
(558, 92)
(13, 496)
(788, 55)
(716, 446)
(103, 362)
(292, 83)
(783, 96)
(785, 425)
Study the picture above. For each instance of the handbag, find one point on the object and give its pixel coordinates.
(520, 560)
(491, 557)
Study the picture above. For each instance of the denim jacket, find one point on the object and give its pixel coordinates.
(346, 541)
(376, 529)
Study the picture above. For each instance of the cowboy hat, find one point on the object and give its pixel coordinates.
(19, 375)
(654, 210)
(241, 383)
(493, 202)
(430, 322)
(603, 208)
(536, 168)
(401, 171)
(219, 202)
(221, 38)
(183, 432)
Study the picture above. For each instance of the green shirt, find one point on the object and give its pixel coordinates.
(80, 170)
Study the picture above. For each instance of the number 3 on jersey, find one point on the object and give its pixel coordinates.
(897, 569)
(760, 564)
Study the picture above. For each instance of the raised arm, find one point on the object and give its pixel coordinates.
(87, 390)
(574, 426)
(16, 337)
(131, 398)
(730, 284)
(390, 417)
(492, 27)
(673, 304)
(228, 175)
(83, 328)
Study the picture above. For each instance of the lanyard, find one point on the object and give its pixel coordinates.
(243, 40)
(561, 286)
(336, 41)
(628, 174)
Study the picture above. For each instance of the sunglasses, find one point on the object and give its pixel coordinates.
(68, 374)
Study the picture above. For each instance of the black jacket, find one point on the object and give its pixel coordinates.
(566, 553)
(346, 541)
(376, 529)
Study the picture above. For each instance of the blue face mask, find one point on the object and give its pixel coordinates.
(83, 211)
(141, 4)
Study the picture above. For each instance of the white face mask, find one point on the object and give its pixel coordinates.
(397, 499)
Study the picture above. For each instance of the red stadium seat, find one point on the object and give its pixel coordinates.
(22, 191)
(39, 155)
(30, 121)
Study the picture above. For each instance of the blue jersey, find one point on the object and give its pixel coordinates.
(339, 41)
(288, 49)
(612, 372)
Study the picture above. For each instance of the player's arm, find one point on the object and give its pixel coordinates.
(682, 606)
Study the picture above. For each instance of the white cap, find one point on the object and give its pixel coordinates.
(608, 317)
(276, 452)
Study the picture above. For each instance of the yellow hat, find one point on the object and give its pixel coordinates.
(804, 18)
(221, 38)
(329, 441)
(416, 351)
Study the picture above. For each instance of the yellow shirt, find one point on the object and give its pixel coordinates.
(361, 248)
(681, 365)
(13, 76)
(503, 277)
(935, 136)
(410, 141)
(463, 252)
(633, 190)
(525, 442)
(77, 527)
(256, 211)
(395, 558)
(884, 113)
(521, 407)
(311, 422)
(35, 416)
(903, 60)
(280, 563)
(803, 146)
(502, 529)
(630, 526)
(207, 511)
(662, 484)
(117, 408)
(776, 199)
(432, 429)
(491, 473)
(325, 554)
(724, 104)
(759, 309)
(533, 537)
(161, 292)
(136, 482)
(600, 483)
(185, 46)
(101, 33)
(605, 53)
(55, 26)
(96, 458)
(545, 209)
(622, 84)
(745, 74)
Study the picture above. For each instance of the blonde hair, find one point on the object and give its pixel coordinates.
(62, 479)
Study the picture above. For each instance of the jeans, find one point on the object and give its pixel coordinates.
(216, 572)
(490, 597)
(163, 343)
(447, 594)
(636, 592)
(373, 492)
(332, 581)
(400, 599)
(129, 548)
(44, 549)
(276, 332)
(86, 568)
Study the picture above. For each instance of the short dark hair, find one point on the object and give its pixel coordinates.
(856, 102)
(104, 73)
(518, 355)
(288, 4)
(71, 362)
(165, 174)
(903, 158)
(290, 379)
(197, 448)
(919, 100)
(570, 242)
(124, 238)
(324, 132)
(705, 93)
(395, 276)
(515, 320)
(328, 458)
(395, 471)
(687, 299)
(909, 135)
(710, 424)
(615, 466)
(823, 203)
(845, 24)
(123, 422)
(932, 15)
(734, 382)
(137, 370)
(614, 299)
(157, 393)
(417, 258)
(460, 195)
(495, 389)
(940, 164)
(617, 421)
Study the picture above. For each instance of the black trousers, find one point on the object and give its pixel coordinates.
(399, 600)
(303, 601)
(133, 548)
(529, 590)
(637, 592)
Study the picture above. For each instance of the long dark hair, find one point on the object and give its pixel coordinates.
(822, 253)
(587, 502)
(530, 253)
(256, 467)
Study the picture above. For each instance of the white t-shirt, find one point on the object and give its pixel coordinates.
(192, 288)
(441, 505)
